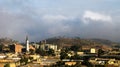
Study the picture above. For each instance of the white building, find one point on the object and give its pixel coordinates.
(54, 47)
(48, 46)
(92, 50)
(27, 44)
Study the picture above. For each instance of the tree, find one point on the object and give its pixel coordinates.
(24, 60)
(76, 57)
(67, 50)
(1, 46)
(75, 48)
(86, 61)
(32, 51)
(59, 64)
(51, 52)
(12, 48)
(41, 52)
(7, 65)
(100, 52)
(78, 64)
(63, 55)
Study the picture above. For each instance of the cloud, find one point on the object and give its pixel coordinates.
(95, 16)
(54, 18)
(60, 29)
(17, 26)
(14, 25)
(57, 24)
(18, 20)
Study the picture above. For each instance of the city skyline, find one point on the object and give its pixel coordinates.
(40, 19)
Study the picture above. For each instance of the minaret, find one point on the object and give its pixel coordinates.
(27, 44)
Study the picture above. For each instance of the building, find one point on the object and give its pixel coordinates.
(35, 57)
(27, 44)
(80, 53)
(54, 47)
(35, 45)
(9, 62)
(31, 47)
(2, 56)
(92, 50)
(18, 48)
(71, 53)
(48, 46)
(70, 63)
(5, 48)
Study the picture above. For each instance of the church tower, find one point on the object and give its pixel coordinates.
(27, 44)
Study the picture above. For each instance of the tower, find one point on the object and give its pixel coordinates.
(27, 44)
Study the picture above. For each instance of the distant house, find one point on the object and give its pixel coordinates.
(48, 46)
(80, 53)
(35, 56)
(31, 47)
(35, 45)
(17, 48)
(70, 63)
(107, 62)
(92, 50)
(5, 48)
(71, 53)
(2, 56)
(9, 62)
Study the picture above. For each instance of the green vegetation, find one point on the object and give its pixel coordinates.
(63, 55)
(32, 51)
(100, 52)
(49, 52)
(41, 52)
(7, 65)
(75, 48)
(1, 46)
(62, 41)
(24, 60)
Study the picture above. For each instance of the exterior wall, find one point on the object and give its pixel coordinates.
(49, 46)
(36, 45)
(42, 46)
(70, 63)
(92, 50)
(27, 46)
(35, 56)
(18, 48)
(2, 64)
(80, 53)
(12, 64)
(31, 47)
(54, 47)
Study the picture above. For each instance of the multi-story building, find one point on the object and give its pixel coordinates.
(48, 46)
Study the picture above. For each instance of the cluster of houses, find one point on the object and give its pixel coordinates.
(20, 52)
(11, 55)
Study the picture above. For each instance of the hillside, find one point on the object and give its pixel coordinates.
(62, 41)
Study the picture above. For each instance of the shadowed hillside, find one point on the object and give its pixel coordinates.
(66, 41)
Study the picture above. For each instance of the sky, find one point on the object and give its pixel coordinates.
(41, 19)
